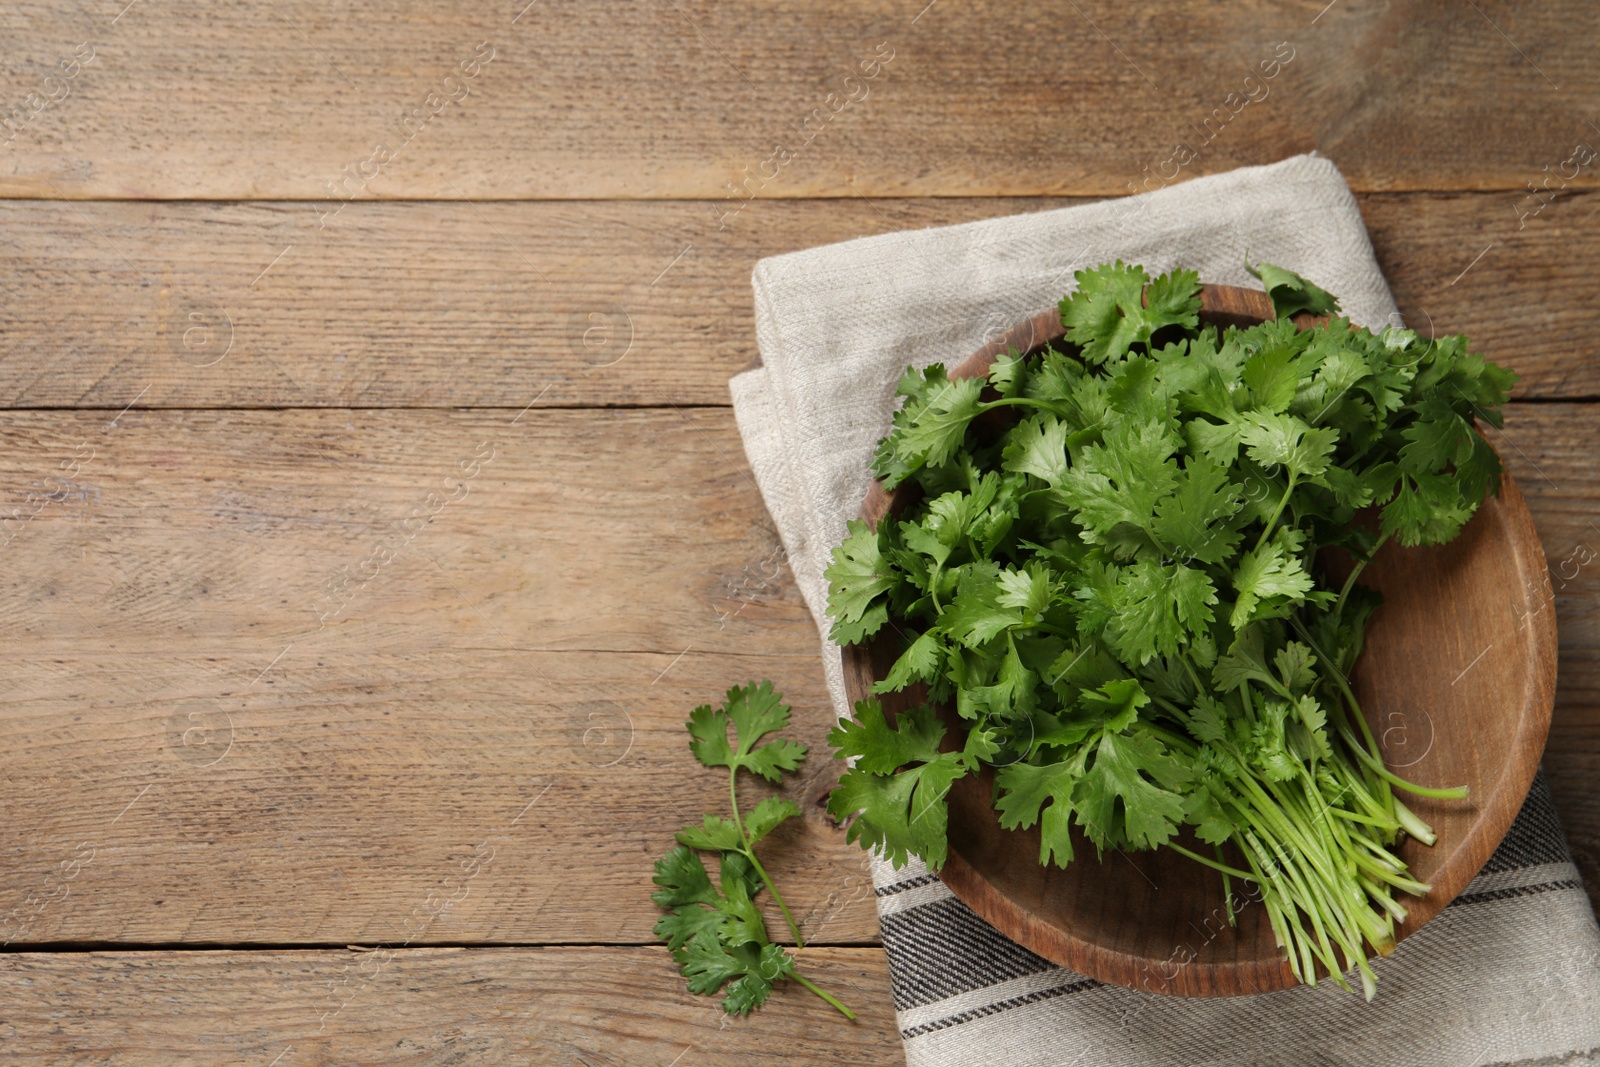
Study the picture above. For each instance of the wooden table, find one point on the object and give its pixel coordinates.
(374, 512)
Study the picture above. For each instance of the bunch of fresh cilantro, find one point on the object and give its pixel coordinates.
(717, 933)
(1114, 582)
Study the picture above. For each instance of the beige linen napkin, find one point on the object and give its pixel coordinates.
(1510, 973)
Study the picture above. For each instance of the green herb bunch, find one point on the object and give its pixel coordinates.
(1113, 579)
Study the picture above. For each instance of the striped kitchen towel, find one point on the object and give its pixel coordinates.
(1510, 973)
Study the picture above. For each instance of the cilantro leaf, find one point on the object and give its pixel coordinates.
(1194, 522)
(717, 832)
(929, 426)
(1128, 794)
(858, 576)
(1291, 294)
(767, 816)
(1146, 609)
(709, 963)
(879, 748)
(753, 711)
(1121, 481)
(1030, 793)
(1107, 314)
(899, 815)
(1283, 440)
(918, 663)
(1038, 446)
(897, 788)
(1268, 576)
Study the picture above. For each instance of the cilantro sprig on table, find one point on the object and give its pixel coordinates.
(1116, 589)
(717, 933)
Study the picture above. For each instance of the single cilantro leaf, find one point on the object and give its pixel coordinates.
(716, 833)
(754, 711)
(1283, 440)
(1437, 439)
(929, 427)
(1009, 374)
(918, 663)
(1294, 662)
(897, 813)
(709, 964)
(1108, 314)
(1128, 794)
(1102, 316)
(1291, 293)
(1213, 822)
(857, 577)
(683, 880)
(1038, 446)
(1029, 794)
(1173, 299)
(879, 748)
(1272, 574)
(1243, 663)
(1115, 705)
(1030, 590)
(1121, 480)
(766, 817)
(1426, 510)
(1194, 522)
(976, 615)
(1150, 607)
(1479, 473)
(1265, 745)
(1208, 719)
(741, 920)
(751, 990)
(1272, 373)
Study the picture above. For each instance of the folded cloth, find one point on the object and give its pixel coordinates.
(1510, 973)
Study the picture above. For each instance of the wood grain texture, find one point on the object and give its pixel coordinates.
(1551, 449)
(536, 645)
(143, 604)
(428, 304)
(238, 100)
(554, 1007)
(1445, 610)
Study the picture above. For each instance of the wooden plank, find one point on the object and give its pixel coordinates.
(428, 304)
(1551, 450)
(605, 572)
(601, 1007)
(250, 727)
(890, 98)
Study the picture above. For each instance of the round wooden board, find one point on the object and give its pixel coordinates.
(1457, 680)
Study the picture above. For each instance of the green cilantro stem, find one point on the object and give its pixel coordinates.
(1018, 401)
(824, 994)
(1266, 531)
(1413, 825)
(1215, 865)
(1355, 572)
(750, 853)
(1227, 890)
(1456, 792)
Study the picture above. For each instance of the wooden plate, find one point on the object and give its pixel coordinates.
(1457, 681)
